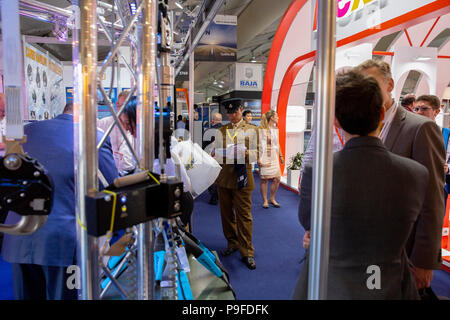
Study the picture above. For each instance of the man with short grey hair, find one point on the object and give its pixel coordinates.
(216, 119)
(418, 138)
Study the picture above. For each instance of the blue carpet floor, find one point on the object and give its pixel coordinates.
(277, 237)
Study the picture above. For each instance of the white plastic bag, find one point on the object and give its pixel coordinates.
(171, 170)
(201, 168)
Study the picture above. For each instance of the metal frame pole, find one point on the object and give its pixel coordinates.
(85, 114)
(191, 95)
(323, 160)
(146, 140)
(12, 70)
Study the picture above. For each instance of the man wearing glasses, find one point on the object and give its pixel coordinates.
(429, 106)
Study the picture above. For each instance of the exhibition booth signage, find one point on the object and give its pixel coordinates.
(246, 77)
(219, 42)
(45, 96)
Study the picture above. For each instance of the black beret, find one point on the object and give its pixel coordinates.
(232, 105)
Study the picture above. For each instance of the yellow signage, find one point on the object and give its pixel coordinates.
(55, 68)
(30, 53)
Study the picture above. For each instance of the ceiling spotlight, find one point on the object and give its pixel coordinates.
(133, 8)
(423, 58)
(179, 5)
(253, 59)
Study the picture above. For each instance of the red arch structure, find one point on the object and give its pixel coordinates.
(283, 97)
(277, 44)
(432, 10)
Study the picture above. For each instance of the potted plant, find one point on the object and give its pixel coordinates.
(293, 170)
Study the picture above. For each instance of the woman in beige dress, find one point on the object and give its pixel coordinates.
(269, 165)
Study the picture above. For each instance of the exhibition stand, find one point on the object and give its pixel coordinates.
(361, 25)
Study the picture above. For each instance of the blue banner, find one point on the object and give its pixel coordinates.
(219, 43)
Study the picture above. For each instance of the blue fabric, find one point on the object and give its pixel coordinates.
(445, 135)
(34, 282)
(51, 143)
(6, 282)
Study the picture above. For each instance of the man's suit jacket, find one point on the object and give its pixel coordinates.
(244, 133)
(51, 143)
(377, 197)
(417, 137)
(210, 133)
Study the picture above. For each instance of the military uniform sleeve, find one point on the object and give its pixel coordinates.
(220, 143)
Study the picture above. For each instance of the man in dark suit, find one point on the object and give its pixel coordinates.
(418, 138)
(235, 183)
(40, 260)
(371, 218)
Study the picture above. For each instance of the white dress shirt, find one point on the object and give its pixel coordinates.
(122, 154)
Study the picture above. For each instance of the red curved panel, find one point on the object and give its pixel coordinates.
(431, 10)
(274, 54)
(283, 97)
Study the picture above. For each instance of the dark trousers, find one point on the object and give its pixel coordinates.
(237, 221)
(36, 282)
(3, 214)
(212, 189)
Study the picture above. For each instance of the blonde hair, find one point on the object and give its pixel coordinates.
(383, 67)
(124, 93)
(265, 119)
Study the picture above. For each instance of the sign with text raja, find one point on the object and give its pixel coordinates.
(247, 76)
